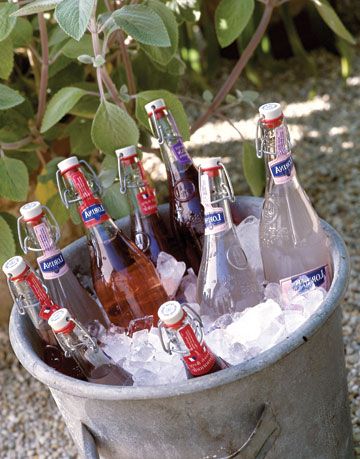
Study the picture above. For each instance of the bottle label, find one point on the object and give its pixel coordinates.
(52, 266)
(215, 220)
(281, 142)
(180, 153)
(93, 214)
(147, 201)
(44, 236)
(300, 283)
(81, 184)
(205, 193)
(200, 359)
(282, 169)
(47, 305)
(184, 190)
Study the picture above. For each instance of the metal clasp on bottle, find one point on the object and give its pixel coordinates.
(159, 134)
(259, 139)
(170, 346)
(19, 300)
(122, 178)
(23, 234)
(226, 187)
(64, 191)
(85, 335)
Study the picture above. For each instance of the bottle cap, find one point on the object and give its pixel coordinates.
(31, 210)
(67, 164)
(210, 163)
(271, 110)
(126, 152)
(59, 319)
(170, 312)
(154, 105)
(14, 266)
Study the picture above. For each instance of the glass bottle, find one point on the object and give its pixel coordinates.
(41, 237)
(186, 212)
(148, 231)
(294, 247)
(124, 279)
(96, 366)
(226, 283)
(31, 298)
(184, 335)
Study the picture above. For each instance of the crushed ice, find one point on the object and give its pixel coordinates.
(234, 337)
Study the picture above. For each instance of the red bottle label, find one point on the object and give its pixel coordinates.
(200, 359)
(147, 201)
(47, 305)
(80, 184)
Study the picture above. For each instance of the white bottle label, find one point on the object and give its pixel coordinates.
(300, 283)
(52, 265)
(215, 220)
(282, 169)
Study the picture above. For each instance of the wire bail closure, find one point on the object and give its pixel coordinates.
(226, 187)
(64, 191)
(91, 342)
(122, 178)
(159, 135)
(259, 139)
(18, 299)
(170, 346)
(24, 238)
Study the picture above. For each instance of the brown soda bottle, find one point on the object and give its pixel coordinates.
(75, 341)
(124, 279)
(31, 298)
(148, 231)
(186, 212)
(185, 336)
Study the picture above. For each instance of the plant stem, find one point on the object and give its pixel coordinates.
(112, 88)
(97, 52)
(16, 145)
(44, 69)
(239, 67)
(127, 63)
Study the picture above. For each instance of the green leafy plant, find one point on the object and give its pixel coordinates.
(77, 74)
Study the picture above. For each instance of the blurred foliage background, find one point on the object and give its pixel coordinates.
(75, 75)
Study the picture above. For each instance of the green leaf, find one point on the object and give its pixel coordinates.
(171, 101)
(61, 103)
(6, 58)
(80, 137)
(9, 98)
(7, 241)
(163, 55)
(57, 36)
(21, 35)
(13, 125)
(231, 18)
(60, 64)
(99, 61)
(113, 128)
(143, 24)
(329, 15)
(58, 209)
(73, 48)
(85, 59)
(7, 22)
(254, 169)
(14, 179)
(11, 220)
(28, 157)
(38, 6)
(73, 16)
(115, 203)
(86, 107)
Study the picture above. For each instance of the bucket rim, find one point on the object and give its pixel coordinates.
(59, 382)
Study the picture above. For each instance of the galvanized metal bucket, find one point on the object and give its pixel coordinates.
(290, 402)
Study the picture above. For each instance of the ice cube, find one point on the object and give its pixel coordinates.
(236, 353)
(218, 342)
(116, 344)
(248, 234)
(141, 350)
(293, 320)
(273, 292)
(187, 289)
(171, 272)
(222, 322)
(309, 301)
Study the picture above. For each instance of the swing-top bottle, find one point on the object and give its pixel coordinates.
(226, 283)
(148, 231)
(186, 213)
(124, 279)
(38, 234)
(294, 247)
(75, 341)
(31, 298)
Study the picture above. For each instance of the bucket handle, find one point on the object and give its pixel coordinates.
(256, 446)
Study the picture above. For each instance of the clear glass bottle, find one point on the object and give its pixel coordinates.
(184, 335)
(148, 231)
(96, 366)
(294, 246)
(31, 298)
(226, 282)
(37, 234)
(125, 280)
(186, 212)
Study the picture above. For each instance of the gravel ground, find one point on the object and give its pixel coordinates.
(323, 128)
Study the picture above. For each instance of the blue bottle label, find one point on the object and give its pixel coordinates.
(300, 283)
(52, 265)
(282, 169)
(215, 221)
(93, 214)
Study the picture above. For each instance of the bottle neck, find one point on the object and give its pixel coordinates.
(171, 143)
(41, 234)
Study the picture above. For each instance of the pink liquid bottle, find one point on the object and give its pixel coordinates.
(294, 247)
(148, 231)
(76, 343)
(39, 232)
(31, 298)
(125, 280)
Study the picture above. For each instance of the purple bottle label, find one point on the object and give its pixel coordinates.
(52, 265)
(215, 221)
(44, 236)
(180, 153)
(282, 169)
(281, 141)
(300, 283)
